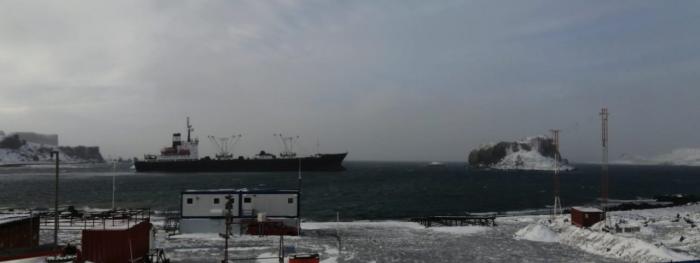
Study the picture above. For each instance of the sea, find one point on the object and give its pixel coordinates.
(365, 191)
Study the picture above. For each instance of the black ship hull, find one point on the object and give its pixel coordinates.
(321, 162)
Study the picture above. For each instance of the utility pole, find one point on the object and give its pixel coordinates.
(299, 200)
(556, 209)
(55, 219)
(229, 221)
(114, 186)
(604, 167)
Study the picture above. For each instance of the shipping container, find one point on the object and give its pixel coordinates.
(116, 246)
(586, 216)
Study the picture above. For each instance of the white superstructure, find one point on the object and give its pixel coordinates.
(180, 149)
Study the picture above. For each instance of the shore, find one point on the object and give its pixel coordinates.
(665, 234)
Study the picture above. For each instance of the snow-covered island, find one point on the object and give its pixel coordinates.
(532, 153)
(25, 148)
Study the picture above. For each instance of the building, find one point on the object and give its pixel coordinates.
(19, 232)
(263, 212)
(586, 216)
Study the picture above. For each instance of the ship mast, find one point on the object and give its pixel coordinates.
(189, 130)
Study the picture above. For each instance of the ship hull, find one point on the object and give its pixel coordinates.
(322, 162)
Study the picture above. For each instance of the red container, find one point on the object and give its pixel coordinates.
(117, 246)
(19, 233)
(304, 258)
(270, 228)
(586, 216)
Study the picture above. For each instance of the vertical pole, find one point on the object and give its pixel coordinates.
(114, 186)
(299, 200)
(280, 253)
(228, 222)
(337, 234)
(55, 220)
(604, 167)
(556, 210)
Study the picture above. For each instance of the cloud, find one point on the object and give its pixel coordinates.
(399, 80)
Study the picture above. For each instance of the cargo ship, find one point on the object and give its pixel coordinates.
(183, 156)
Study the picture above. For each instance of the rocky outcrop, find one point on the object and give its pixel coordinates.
(87, 153)
(12, 142)
(37, 148)
(46, 139)
(534, 153)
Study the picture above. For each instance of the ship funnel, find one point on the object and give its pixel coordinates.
(176, 139)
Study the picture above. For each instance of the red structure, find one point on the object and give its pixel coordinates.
(306, 258)
(586, 216)
(270, 228)
(21, 232)
(116, 246)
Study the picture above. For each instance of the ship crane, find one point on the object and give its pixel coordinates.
(288, 143)
(224, 144)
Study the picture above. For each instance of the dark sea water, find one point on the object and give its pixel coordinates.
(367, 190)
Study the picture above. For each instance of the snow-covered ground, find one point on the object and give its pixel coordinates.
(665, 235)
(515, 239)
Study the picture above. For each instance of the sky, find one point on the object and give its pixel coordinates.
(384, 80)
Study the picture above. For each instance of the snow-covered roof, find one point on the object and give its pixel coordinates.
(4, 219)
(587, 209)
(241, 190)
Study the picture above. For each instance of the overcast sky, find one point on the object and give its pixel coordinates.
(385, 80)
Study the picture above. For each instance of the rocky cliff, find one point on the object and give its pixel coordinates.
(15, 150)
(534, 153)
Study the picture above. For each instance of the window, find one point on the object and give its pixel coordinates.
(189, 201)
(216, 201)
(290, 200)
(246, 200)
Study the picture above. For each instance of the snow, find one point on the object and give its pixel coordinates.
(32, 153)
(334, 225)
(522, 159)
(9, 217)
(610, 245)
(538, 233)
(666, 234)
(682, 156)
(587, 209)
(516, 238)
(460, 230)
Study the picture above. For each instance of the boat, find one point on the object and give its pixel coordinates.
(436, 164)
(183, 156)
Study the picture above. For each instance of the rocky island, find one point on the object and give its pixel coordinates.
(23, 148)
(533, 153)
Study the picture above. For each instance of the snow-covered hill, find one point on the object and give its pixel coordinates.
(31, 153)
(533, 153)
(684, 156)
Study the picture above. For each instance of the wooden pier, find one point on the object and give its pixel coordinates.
(469, 220)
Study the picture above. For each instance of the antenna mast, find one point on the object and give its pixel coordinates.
(556, 209)
(604, 167)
